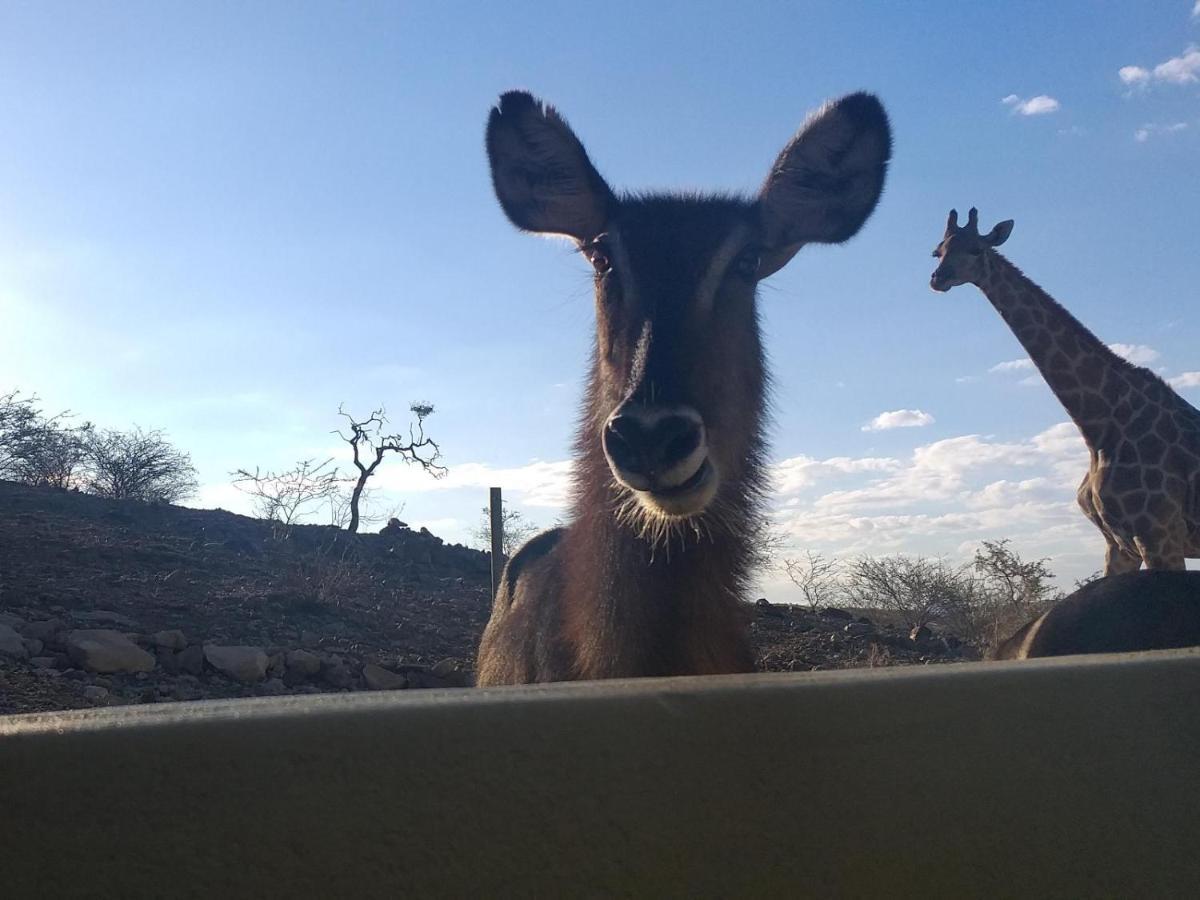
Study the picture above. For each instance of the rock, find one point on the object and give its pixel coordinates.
(14, 622)
(173, 639)
(424, 679)
(46, 631)
(95, 693)
(244, 664)
(451, 672)
(191, 660)
(43, 662)
(11, 643)
(107, 617)
(276, 666)
(380, 679)
(310, 639)
(303, 662)
(273, 687)
(168, 660)
(33, 646)
(337, 675)
(101, 650)
(832, 612)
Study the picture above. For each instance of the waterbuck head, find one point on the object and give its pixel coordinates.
(677, 392)
(962, 255)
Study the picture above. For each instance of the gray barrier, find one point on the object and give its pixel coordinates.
(1069, 778)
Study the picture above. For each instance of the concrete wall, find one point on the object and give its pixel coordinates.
(1070, 778)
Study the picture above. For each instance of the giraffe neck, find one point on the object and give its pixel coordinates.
(1078, 367)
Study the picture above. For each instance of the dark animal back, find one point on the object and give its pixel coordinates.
(1129, 612)
(531, 551)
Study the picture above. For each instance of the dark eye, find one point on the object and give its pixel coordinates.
(935, 254)
(747, 263)
(597, 254)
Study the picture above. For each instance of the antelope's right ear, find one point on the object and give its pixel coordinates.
(542, 175)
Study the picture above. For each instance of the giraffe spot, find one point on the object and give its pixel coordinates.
(1123, 412)
(1143, 422)
(1124, 479)
(1151, 448)
(1090, 371)
(1177, 459)
(1167, 429)
(1153, 478)
(1160, 507)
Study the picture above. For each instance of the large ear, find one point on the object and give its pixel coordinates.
(999, 234)
(827, 181)
(542, 175)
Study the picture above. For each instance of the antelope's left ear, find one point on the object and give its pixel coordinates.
(999, 234)
(827, 181)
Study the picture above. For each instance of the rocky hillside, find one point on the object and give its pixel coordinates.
(106, 602)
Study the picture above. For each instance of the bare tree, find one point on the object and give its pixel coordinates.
(920, 590)
(517, 530)
(1011, 592)
(53, 455)
(816, 577)
(19, 420)
(370, 443)
(283, 497)
(137, 465)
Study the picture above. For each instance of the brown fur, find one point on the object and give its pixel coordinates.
(1120, 613)
(628, 589)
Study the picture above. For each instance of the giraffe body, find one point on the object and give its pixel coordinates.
(1142, 488)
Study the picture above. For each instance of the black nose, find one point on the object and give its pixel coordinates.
(650, 446)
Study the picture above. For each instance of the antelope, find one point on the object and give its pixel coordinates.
(1150, 610)
(648, 575)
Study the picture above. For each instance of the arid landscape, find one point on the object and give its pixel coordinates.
(316, 610)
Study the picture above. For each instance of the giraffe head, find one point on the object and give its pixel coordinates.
(964, 253)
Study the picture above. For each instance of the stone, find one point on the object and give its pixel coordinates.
(43, 662)
(95, 693)
(11, 643)
(191, 660)
(244, 664)
(12, 621)
(168, 660)
(303, 662)
(380, 679)
(276, 665)
(46, 631)
(33, 646)
(173, 639)
(102, 650)
(107, 617)
(337, 675)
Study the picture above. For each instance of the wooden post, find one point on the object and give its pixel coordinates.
(497, 510)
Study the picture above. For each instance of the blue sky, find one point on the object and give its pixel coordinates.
(226, 219)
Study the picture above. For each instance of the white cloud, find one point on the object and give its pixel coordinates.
(899, 418)
(1013, 365)
(1040, 105)
(1138, 354)
(539, 483)
(1196, 10)
(1134, 76)
(1181, 69)
(1147, 131)
(798, 472)
(952, 494)
(1185, 379)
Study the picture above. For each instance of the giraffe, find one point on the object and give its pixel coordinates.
(1142, 488)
